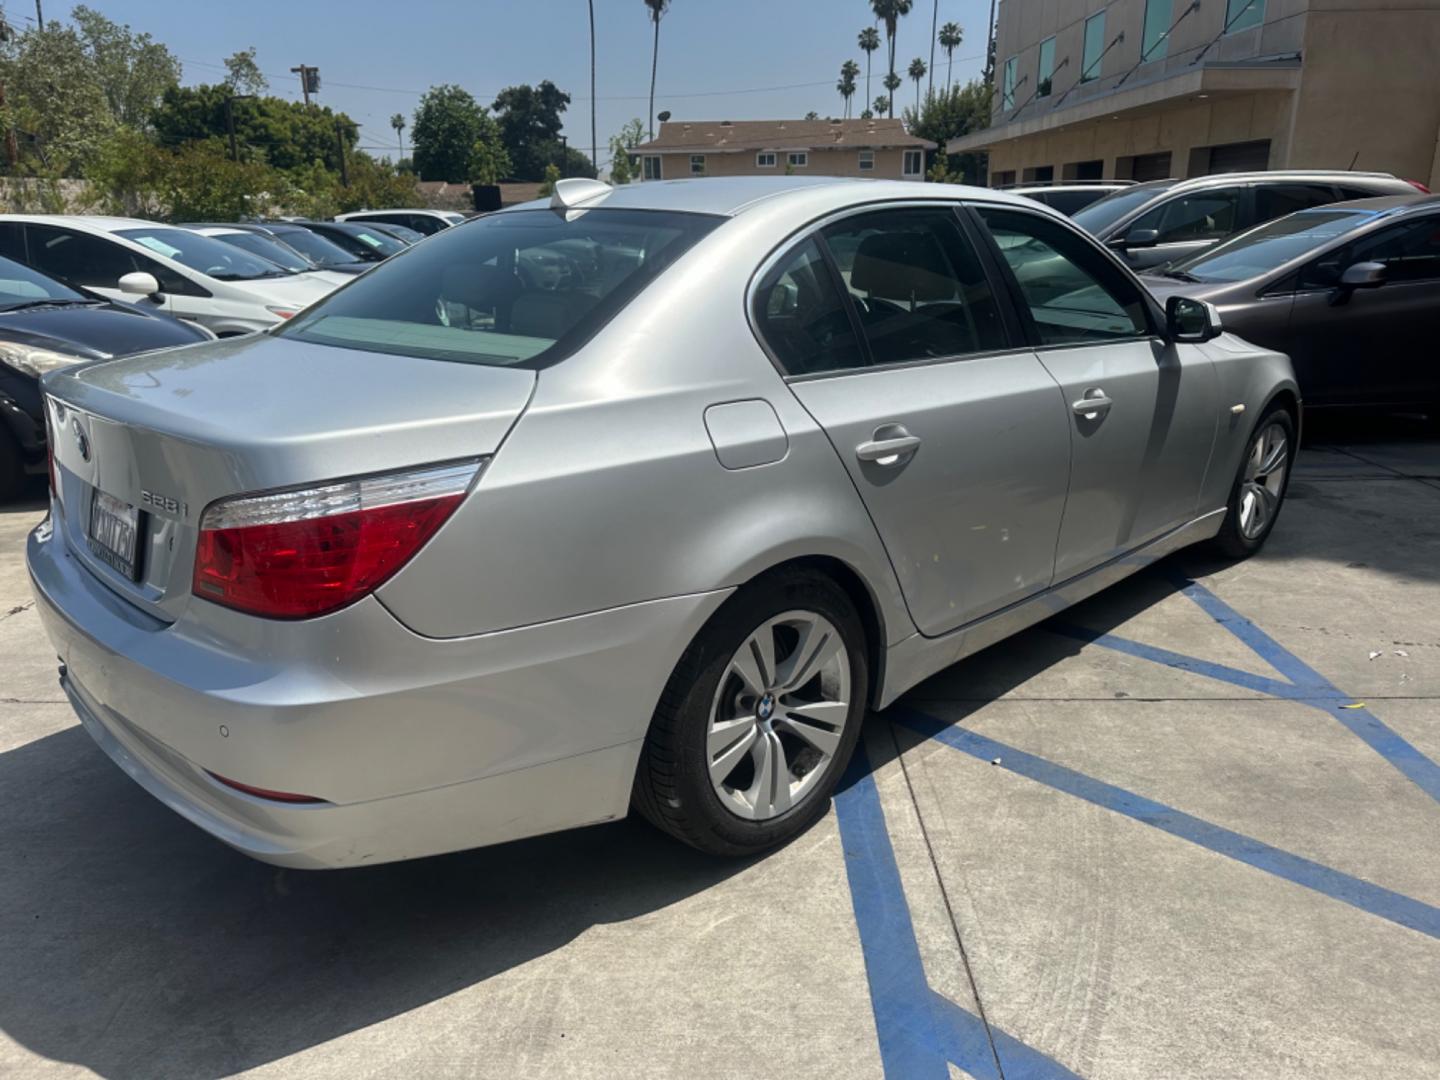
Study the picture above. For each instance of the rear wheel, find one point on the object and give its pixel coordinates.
(759, 718)
(1260, 486)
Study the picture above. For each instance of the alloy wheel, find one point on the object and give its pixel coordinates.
(1264, 481)
(779, 715)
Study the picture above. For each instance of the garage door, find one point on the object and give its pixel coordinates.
(1150, 167)
(1240, 157)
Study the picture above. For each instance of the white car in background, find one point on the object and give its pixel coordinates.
(422, 221)
(272, 250)
(224, 289)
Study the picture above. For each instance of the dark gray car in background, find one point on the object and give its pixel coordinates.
(1351, 291)
(1166, 220)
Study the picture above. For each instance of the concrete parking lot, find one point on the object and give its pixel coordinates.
(1190, 828)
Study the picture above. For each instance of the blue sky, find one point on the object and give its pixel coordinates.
(376, 57)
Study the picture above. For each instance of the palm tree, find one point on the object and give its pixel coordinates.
(934, 21)
(882, 105)
(869, 42)
(398, 123)
(594, 151)
(893, 82)
(848, 72)
(950, 37)
(889, 12)
(917, 72)
(657, 10)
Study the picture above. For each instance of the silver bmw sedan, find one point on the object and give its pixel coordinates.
(631, 497)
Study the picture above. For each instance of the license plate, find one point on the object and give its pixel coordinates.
(115, 534)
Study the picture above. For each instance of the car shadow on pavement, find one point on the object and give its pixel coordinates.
(137, 946)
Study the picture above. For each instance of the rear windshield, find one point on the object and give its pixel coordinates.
(523, 288)
(1101, 214)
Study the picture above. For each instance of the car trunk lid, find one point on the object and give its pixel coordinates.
(169, 433)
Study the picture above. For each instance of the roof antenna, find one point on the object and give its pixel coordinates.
(1351, 166)
(575, 190)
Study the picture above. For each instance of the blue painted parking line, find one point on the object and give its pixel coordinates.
(919, 1030)
(1301, 682)
(1354, 891)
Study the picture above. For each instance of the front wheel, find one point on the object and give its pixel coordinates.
(1260, 486)
(759, 718)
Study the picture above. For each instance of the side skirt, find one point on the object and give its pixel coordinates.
(917, 657)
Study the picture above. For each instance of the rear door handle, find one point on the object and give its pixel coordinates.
(1093, 405)
(893, 447)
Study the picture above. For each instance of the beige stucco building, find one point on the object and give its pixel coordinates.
(1143, 89)
(876, 148)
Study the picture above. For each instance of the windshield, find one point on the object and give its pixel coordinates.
(520, 288)
(1261, 250)
(203, 253)
(372, 238)
(1101, 214)
(21, 285)
(270, 250)
(315, 247)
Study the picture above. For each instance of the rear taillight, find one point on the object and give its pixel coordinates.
(50, 447)
(296, 554)
(265, 793)
(1418, 186)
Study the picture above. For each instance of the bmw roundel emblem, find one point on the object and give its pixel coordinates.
(766, 708)
(82, 441)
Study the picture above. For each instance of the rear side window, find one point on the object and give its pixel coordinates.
(918, 286)
(802, 317)
(1276, 200)
(1075, 295)
(523, 288)
(1068, 202)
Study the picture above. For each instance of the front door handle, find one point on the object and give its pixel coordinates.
(891, 445)
(1093, 404)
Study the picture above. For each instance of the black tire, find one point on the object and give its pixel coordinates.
(1231, 541)
(12, 469)
(673, 789)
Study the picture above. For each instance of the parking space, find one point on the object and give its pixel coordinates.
(1188, 828)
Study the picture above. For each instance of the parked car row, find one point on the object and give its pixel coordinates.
(75, 288)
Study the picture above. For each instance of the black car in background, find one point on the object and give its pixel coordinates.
(1351, 291)
(46, 324)
(314, 247)
(362, 242)
(1166, 220)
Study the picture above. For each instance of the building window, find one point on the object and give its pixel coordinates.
(1243, 14)
(799, 159)
(765, 160)
(1004, 178)
(1046, 73)
(1094, 48)
(697, 164)
(913, 164)
(867, 160)
(1153, 41)
(651, 167)
(1007, 86)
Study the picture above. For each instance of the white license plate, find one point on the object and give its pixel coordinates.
(115, 534)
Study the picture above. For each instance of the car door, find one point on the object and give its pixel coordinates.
(1372, 346)
(890, 333)
(1186, 224)
(1141, 411)
(87, 260)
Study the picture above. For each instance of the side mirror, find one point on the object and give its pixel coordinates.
(1191, 320)
(1137, 238)
(140, 283)
(1363, 275)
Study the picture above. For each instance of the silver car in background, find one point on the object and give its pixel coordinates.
(633, 497)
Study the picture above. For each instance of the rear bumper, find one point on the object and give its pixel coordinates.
(417, 746)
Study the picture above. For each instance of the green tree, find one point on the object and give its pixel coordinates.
(398, 123)
(622, 166)
(868, 41)
(530, 123)
(950, 37)
(489, 160)
(893, 82)
(133, 70)
(657, 9)
(448, 122)
(890, 12)
(552, 174)
(285, 134)
(846, 86)
(55, 102)
(881, 105)
(244, 76)
(917, 72)
(951, 114)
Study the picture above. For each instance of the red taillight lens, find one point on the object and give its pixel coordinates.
(1418, 186)
(50, 447)
(297, 554)
(265, 793)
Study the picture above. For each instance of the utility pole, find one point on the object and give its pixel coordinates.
(12, 149)
(39, 16)
(230, 126)
(340, 148)
(309, 80)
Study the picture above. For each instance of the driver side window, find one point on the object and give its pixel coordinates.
(1204, 215)
(1409, 252)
